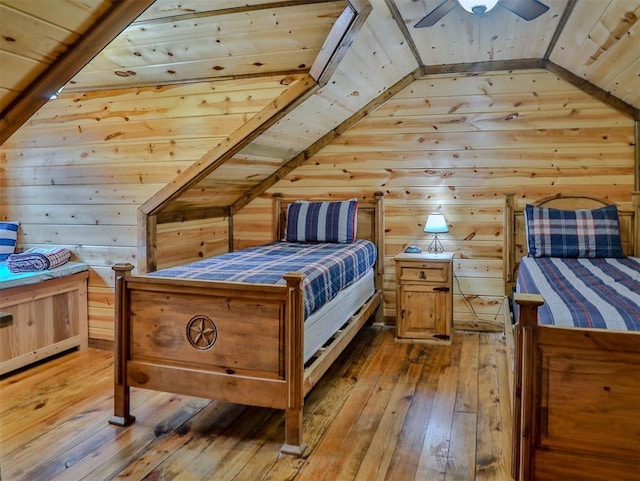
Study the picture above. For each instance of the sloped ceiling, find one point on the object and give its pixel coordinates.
(44, 44)
(592, 43)
(168, 45)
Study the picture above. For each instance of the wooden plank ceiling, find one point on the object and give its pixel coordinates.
(591, 43)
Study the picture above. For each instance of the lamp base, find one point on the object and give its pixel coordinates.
(436, 246)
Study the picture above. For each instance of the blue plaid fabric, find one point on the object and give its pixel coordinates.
(38, 259)
(573, 233)
(322, 221)
(589, 293)
(329, 267)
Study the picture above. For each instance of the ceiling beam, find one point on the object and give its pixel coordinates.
(600, 94)
(479, 67)
(245, 134)
(104, 30)
(559, 28)
(340, 38)
(397, 16)
(229, 11)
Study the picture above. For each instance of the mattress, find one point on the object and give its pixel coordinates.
(328, 267)
(10, 279)
(324, 322)
(588, 293)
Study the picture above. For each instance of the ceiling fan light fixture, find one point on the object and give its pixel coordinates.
(478, 6)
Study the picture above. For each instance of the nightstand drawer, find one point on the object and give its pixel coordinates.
(429, 272)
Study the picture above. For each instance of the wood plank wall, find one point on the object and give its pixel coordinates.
(456, 144)
(77, 172)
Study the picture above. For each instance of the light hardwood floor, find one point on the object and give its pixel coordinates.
(384, 411)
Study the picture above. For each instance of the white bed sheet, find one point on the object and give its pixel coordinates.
(324, 322)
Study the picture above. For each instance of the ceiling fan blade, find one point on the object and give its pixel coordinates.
(437, 13)
(526, 9)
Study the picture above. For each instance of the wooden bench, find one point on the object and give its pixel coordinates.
(43, 319)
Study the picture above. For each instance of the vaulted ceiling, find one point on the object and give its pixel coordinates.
(341, 58)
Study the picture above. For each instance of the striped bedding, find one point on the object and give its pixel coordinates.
(590, 293)
(329, 267)
(38, 259)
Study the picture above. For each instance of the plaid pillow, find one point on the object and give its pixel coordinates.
(8, 238)
(573, 233)
(322, 221)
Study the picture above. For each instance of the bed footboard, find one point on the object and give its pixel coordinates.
(575, 401)
(225, 341)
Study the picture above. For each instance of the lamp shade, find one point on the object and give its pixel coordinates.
(478, 6)
(436, 223)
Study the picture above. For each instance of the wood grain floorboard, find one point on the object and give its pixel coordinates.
(385, 411)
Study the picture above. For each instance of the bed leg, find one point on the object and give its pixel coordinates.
(121, 397)
(524, 384)
(379, 314)
(516, 414)
(294, 352)
(293, 433)
(121, 416)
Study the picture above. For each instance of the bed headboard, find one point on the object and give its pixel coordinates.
(370, 223)
(515, 242)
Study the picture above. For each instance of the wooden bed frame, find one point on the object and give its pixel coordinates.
(166, 330)
(575, 391)
(41, 320)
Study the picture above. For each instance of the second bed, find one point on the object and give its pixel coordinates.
(254, 331)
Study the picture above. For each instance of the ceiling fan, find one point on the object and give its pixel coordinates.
(526, 9)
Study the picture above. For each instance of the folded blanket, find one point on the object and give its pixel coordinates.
(38, 259)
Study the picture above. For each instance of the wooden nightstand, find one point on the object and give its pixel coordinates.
(424, 297)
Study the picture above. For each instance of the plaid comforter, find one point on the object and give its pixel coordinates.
(38, 259)
(328, 267)
(593, 293)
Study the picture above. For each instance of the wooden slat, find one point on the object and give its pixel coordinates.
(435, 446)
(606, 49)
(490, 466)
(379, 453)
(479, 140)
(67, 14)
(168, 10)
(342, 445)
(544, 157)
(46, 41)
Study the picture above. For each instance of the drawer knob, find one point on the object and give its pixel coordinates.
(422, 275)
